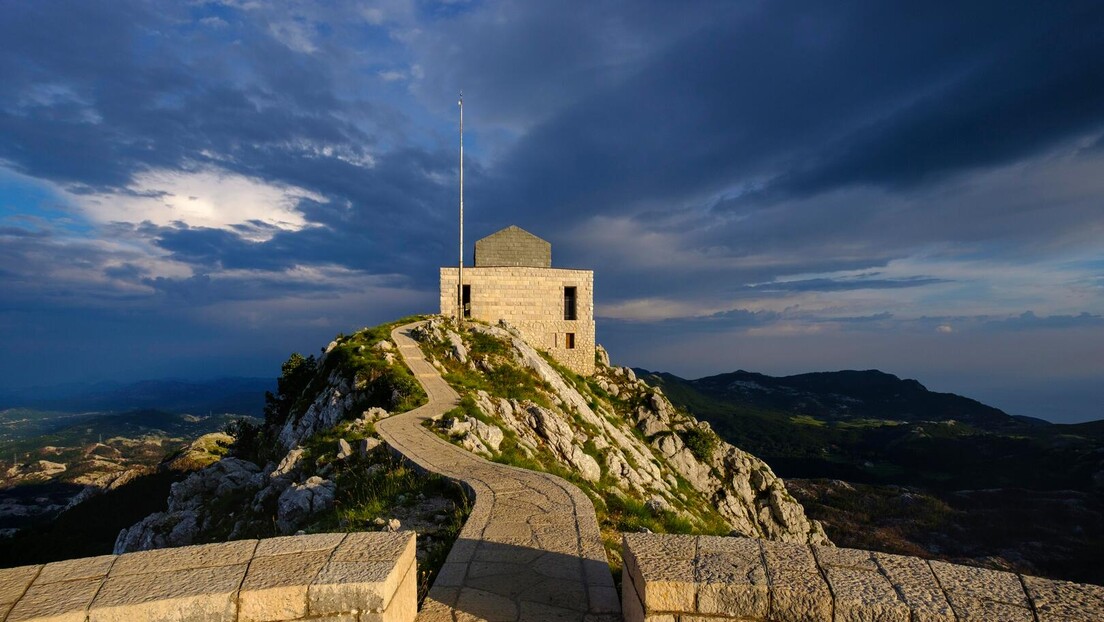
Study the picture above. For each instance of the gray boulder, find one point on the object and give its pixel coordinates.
(300, 501)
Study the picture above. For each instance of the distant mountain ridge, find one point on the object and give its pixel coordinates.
(243, 396)
(847, 395)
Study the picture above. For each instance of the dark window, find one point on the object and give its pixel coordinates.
(569, 341)
(467, 301)
(569, 303)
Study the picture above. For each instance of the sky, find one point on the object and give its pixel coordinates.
(197, 189)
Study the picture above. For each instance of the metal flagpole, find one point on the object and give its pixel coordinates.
(460, 271)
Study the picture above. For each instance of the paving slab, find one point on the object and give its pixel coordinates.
(285, 545)
(531, 548)
(56, 602)
(15, 581)
(917, 586)
(73, 569)
(1062, 601)
(192, 594)
(184, 558)
(799, 592)
(731, 577)
(981, 594)
(860, 591)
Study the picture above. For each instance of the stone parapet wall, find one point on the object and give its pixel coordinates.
(531, 300)
(356, 577)
(669, 578)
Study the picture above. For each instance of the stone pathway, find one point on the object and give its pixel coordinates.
(531, 549)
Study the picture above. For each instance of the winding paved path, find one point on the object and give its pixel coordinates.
(531, 549)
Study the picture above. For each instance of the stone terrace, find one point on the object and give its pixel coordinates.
(346, 577)
(699, 578)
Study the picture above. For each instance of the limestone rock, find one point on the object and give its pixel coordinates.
(459, 351)
(300, 501)
(289, 462)
(586, 464)
(330, 407)
(601, 356)
(366, 445)
(490, 435)
(741, 487)
(344, 450)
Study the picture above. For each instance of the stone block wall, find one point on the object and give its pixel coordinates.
(513, 246)
(346, 577)
(531, 300)
(670, 578)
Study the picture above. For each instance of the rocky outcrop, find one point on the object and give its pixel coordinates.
(299, 501)
(196, 504)
(331, 405)
(201, 452)
(633, 435)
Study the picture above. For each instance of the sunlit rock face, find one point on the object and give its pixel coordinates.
(616, 431)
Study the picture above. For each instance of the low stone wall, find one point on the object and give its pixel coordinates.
(346, 577)
(699, 578)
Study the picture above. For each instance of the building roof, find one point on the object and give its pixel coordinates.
(513, 246)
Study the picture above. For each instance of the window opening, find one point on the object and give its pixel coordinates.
(569, 303)
(467, 301)
(569, 341)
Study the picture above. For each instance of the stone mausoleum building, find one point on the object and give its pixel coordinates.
(513, 280)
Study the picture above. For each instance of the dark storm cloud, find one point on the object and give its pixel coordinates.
(96, 92)
(794, 98)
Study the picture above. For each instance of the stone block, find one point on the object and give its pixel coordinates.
(731, 577)
(377, 546)
(207, 594)
(663, 584)
(275, 587)
(982, 594)
(14, 581)
(860, 591)
(72, 569)
(917, 586)
(56, 602)
(184, 558)
(798, 591)
(298, 544)
(353, 586)
(1062, 601)
(404, 604)
(648, 545)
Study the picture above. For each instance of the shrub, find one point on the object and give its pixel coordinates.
(700, 442)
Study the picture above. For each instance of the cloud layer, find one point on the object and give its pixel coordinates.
(781, 186)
